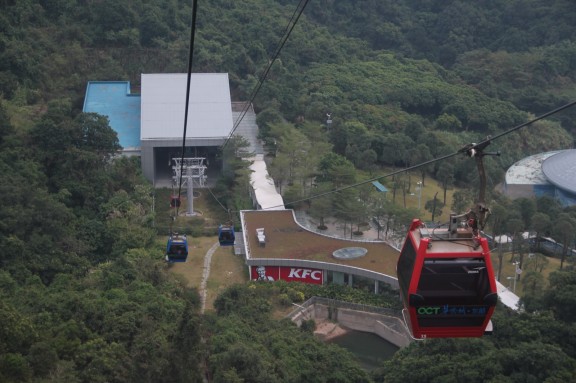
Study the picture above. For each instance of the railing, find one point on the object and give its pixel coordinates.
(299, 218)
(346, 305)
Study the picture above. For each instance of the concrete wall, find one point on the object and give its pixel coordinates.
(387, 327)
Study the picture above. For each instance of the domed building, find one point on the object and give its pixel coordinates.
(551, 173)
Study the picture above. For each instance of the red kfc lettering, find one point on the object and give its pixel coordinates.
(317, 275)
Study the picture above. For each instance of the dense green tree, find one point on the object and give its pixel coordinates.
(94, 133)
(434, 206)
(260, 349)
(445, 175)
(563, 230)
(541, 224)
(548, 205)
(526, 207)
(81, 301)
(336, 169)
(322, 207)
(560, 295)
(5, 124)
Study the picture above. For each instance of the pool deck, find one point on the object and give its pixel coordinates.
(114, 100)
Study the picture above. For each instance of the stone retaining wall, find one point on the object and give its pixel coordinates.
(387, 327)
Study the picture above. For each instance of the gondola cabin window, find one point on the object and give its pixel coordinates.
(458, 281)
(178, 249)
(454, 292)
(405, 267)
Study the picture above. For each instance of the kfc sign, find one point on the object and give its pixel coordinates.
(289, 274)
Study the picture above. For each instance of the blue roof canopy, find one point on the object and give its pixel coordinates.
(380, 187)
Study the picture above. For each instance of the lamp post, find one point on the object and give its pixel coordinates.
(419, 185)
(510, 278)
(517, 272)
(328, 121)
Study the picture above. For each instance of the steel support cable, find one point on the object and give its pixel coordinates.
(294, 21)
(287, 31)
(369, 180)
(467, 148)
(547, 114)
(219, 203)
(186, 107)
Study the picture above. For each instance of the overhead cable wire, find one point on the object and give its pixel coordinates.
(404, 170)
(220, 203)
(186, 107)
(518, 127)
(289, 28)
(460, 151)
(287, 31)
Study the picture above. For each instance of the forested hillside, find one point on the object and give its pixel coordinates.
(84, 294)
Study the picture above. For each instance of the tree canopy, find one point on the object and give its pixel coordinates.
(83, 294)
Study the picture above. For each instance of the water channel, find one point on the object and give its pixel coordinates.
(369, 348)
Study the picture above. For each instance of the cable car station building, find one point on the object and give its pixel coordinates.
(545, 174)
(151, 124)
(162, 120)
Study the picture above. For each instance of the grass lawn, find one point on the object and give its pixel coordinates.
(227, 269)
(508, 270)
(194, 266)
(429, 190)
(206, 220)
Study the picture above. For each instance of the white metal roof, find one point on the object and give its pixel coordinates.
(163, 106)
(528, 171)
(560, 169)
(507, 297)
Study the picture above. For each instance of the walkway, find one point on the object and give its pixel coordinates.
(206, 274)
(247, 128)
(507, 297)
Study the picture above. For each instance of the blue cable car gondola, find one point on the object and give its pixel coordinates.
(177, 248)
(446, 282)
(226, 235)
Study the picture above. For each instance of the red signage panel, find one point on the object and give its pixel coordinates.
(285, 273)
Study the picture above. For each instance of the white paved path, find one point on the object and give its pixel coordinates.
(206, 274)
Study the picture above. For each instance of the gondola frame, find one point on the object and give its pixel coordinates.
(226, 235)
(176, 240)
(415, 305)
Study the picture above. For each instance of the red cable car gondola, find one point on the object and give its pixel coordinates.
(174, 201)
(445, 275)
(446, 281)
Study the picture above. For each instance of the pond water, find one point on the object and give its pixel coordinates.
(369, 348)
